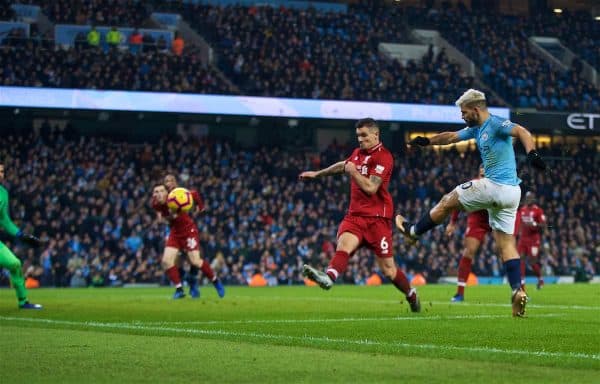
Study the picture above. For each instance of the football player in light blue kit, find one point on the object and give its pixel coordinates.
(499, 192)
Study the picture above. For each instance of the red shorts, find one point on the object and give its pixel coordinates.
(373, 232)
(477, 232)
(189, 241)
(528, 249)
(477, 227)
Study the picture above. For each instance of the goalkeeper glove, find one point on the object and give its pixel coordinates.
(535, 160)
(32, 240)
(420, 141)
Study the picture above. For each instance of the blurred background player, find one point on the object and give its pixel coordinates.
(530, 222)
(183, 236)
(7, 259)
(477, 227)
(498, 192)
(368, 221)
(170, 182)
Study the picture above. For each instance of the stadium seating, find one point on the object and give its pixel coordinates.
(310, 54)
(577, 30)
(99, 12)
(94, 69)
(499, 46)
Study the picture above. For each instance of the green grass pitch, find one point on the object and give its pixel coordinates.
(301, 334)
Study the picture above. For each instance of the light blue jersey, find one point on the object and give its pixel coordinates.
(496, 148)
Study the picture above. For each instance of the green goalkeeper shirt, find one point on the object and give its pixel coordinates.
(5, 221)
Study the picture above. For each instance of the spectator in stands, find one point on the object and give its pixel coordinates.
(149, 42)
(93, 38)
(161, 44)
(114, 38)
(80, 41)
(135, 41)
(177, 45)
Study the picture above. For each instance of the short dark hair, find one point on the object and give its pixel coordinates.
(366, 122)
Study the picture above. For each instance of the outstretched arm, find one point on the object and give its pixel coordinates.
(331, 170)
(439, 139)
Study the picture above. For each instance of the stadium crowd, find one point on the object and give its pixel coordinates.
(307, 53)
(121, 13)
(578, 31)
(6, 12)
(499, 45)
(89, 197)
(34, 62)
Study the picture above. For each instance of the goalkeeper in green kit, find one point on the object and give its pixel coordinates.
(7, 259)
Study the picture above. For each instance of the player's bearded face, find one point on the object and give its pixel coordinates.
(470, 116)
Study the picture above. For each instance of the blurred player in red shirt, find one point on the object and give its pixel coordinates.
(368, 221)
(183, 236)
(530, 223)
(477, 227)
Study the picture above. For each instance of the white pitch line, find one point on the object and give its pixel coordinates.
(423, 300)
(336, 320)
(307, 338)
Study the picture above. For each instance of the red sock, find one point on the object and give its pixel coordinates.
(464, 269)
(174, 276)
(401, 282)
(207, 270)
(537, 269)
(338, 264)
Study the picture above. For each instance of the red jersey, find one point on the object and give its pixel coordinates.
(182, 222)
(529, 219)
(377, 161)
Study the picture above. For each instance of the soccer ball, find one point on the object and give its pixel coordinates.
(180, 200)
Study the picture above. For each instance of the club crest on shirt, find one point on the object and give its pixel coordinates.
(379, 169)
(484, 137)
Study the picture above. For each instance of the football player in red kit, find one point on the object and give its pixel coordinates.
(368, 221)
(183, 236)
(531, 220)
